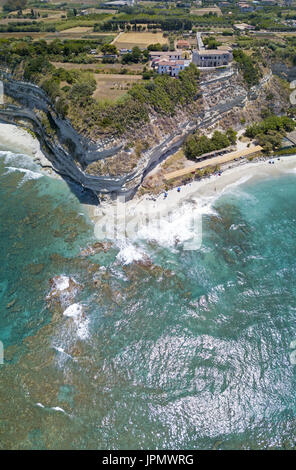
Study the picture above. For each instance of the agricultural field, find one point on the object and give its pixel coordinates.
(133, 69)
(79, 30)
(113, 86)
(205, 11)
(140, 39)
(21, 35)
(52, 14)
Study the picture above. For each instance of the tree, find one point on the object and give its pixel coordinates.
(231, 134)
(197, 145)
(84, 88)
(11, 5)
(109, 49)
(154, 47)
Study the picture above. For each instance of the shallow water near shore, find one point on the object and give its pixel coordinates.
(189, 350)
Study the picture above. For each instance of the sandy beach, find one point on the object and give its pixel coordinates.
(18, 140)
(168, 218)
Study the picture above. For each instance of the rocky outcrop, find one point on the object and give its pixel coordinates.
(70, 153)
(284, 71)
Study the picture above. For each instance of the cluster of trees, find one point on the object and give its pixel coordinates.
(27, 27)
(135, 56)
(13, 52)
(197, 145)
(166, 24)
(211, 43)
(158, 47)
(250, 70)
(165, 93)
(270, 131)
(12, 5)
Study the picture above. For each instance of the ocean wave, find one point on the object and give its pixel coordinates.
(76, 312)
(21, 159)
(28, 174)
(168, 228)
(129, 252)
(61, 283)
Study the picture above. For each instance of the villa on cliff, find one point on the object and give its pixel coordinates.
(203, 57)
(212, 57)
(171, 67)
(170, 63)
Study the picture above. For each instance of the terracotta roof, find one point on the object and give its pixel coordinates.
(166, 62)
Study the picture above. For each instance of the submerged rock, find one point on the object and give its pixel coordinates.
(63, 288)
(35, 268)
(96, 248)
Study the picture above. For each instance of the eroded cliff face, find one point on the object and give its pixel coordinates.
(118, 165)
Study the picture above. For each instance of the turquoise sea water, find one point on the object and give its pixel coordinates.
(189, 351)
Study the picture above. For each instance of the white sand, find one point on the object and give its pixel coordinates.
(177, 219)
(18, 140)
(200, 193)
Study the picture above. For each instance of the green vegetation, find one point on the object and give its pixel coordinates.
(197, 145)
(211, 43)
(72, 90)
(12, 5)
(135, 56)
(270, 131)
(164, 93)
(248, 66)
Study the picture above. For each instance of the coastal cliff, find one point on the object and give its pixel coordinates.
(112, 165)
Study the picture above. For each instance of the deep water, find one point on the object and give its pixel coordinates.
(190, 351)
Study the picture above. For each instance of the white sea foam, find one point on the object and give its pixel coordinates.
(293, 357)
(290, 171)
(61, 283)
(57, 408)
(181, 226)
(62, 351)
(63, 288)
(75, 311)
(129, 252)
(28, 174)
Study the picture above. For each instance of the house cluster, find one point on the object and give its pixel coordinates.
(173, 62)
(170, 63)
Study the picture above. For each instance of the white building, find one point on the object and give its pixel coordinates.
(174, 55)
(171, 67)
(212, 57)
